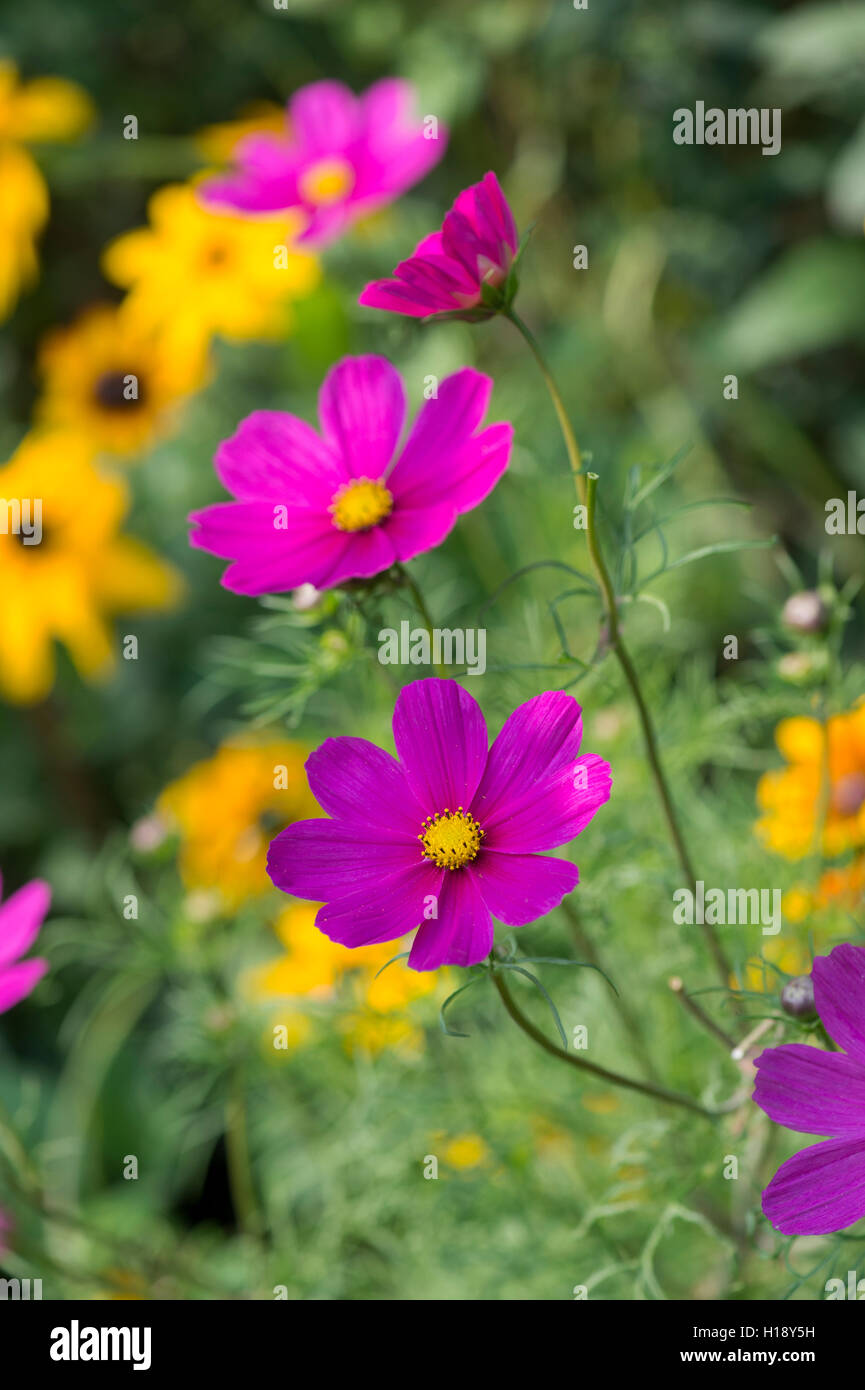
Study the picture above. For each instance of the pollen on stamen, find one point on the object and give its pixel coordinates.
(360, 504)
(451, 839)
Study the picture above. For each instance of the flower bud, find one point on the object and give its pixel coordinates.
(805, 612)
(797, 998)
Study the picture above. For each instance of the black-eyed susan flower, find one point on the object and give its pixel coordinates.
(199, 272)
(254, 788)
(46, 108)
(117, 379)
(66, 586)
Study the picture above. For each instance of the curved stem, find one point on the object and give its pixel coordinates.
(420, 604)
(646, 1088)
(586, 485)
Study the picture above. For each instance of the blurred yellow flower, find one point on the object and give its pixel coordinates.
(81, 572)
(465, 1151)
(197, 272)
(791, 958)
(217, 143)
(23, 212)
(117, 379)
(47, 108)
(375, 1033)
(311, 965)
(791, 797)
(229, 807)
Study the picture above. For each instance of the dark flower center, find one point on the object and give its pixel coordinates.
(114, 391)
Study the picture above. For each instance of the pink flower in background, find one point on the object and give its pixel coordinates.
(348, 503)
(449, 836)
(463, 269)
(340, 158)
(21, 917)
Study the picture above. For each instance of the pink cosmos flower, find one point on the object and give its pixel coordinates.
(21, 916)
(349, 503)
(464, 269)
(450, 835)
(821, 1188)
(340, 158)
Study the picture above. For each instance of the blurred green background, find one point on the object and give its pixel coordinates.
(701, 262)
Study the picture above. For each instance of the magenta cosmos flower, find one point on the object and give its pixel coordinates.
(340, 158)
(463, 269)
(822, 1188)
(349, 503)
(21, 916)
(448, 836)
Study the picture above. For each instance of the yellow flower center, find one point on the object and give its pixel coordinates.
(360, 504)
(326, 182)
(451, 838)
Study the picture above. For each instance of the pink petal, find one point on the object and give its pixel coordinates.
(551, 812)
(356, 781)
(326, 859)
(21, 917)
(383, 910)
(839, 993)
(399, 298)
(275, 456)
(519, 888)
(411, 531)
(362, 410)
(811, 1091)
(540, 738)
(324, 117)
(441, 739)
(462, 934)
(464, 477)
(270, 559)
(819, 1189)
(443, 428)
(17, 981)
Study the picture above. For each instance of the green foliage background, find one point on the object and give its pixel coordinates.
(702, 262)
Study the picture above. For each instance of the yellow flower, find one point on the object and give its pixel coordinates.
(115, 378)
(374, 1033)
(217, 143)
(228, 808)
(791, 797)
(81, 572)
(466, 1151)
(201, 272)
(47, 108)
(23, 212)
(311, 965)
(791, 958)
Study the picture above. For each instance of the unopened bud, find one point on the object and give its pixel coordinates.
(805, 612)
(797, 998)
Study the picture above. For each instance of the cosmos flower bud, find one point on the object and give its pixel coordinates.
(802, 668)
(797, 998)
(805, 612)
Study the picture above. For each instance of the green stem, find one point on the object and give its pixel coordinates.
(426, 619)
(646, 1088)
(586, 485)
